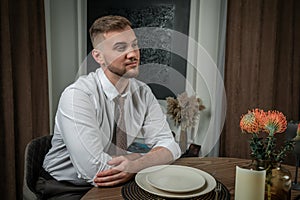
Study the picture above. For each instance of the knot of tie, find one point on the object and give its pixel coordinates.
(119, 100)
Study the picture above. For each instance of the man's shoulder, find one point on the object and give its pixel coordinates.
(87, 84)
(139, 85)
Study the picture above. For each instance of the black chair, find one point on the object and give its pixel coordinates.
(35, 153)
(291, 132)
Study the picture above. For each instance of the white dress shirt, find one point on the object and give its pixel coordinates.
(84, 126)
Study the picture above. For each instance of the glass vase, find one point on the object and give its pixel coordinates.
(278, 183)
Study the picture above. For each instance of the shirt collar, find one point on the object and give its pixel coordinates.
(109, 89)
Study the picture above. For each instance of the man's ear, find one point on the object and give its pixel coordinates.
(98, 56)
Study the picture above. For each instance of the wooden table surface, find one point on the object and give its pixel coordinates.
(223, 169)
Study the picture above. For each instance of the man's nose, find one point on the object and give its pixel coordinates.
(132, 53)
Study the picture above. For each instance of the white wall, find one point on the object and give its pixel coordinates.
(66, 44)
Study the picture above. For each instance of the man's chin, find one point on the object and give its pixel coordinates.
(132, 73)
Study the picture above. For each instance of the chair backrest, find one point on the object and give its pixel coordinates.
(35, 153)
(291, 132)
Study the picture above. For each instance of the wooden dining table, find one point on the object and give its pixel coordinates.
(222, 168)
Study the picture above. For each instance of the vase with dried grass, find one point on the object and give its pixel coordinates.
(184, 110)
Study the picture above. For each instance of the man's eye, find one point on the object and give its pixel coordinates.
(135, 45)
(121, 48)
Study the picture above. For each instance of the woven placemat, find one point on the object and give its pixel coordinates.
(131, 191)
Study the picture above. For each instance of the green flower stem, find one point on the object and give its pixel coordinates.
(269, 145)
(257, 147)
(269, 191)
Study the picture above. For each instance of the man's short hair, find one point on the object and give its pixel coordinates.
(106, 24)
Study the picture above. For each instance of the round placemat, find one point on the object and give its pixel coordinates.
(131, 191)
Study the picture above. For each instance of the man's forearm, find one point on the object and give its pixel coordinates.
(157, 156)
(133, 156)
(124, 167)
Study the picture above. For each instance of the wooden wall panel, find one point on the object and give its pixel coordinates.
(262, 65)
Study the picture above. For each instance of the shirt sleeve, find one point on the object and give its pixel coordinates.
(156, 129)
(84, 140)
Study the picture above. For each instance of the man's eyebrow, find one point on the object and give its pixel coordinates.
(123, 43)
(119, 43)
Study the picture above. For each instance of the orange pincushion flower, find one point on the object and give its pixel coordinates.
(274, 122)
(249, 123)
(270, 122)
(259, 116)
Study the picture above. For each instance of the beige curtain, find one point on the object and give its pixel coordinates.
(262, 65)
(23, 88)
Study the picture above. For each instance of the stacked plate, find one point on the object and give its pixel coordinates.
(175, 181)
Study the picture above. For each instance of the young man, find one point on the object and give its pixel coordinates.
(82, 151)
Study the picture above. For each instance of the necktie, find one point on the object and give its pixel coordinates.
(119, 136)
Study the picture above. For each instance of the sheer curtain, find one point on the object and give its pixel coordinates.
(206, 68)
(23, 91)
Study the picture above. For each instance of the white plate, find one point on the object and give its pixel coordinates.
(141, 180)
(176, 178)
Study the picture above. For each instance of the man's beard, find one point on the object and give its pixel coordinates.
(132, 73)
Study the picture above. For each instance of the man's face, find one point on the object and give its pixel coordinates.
(120, 53)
